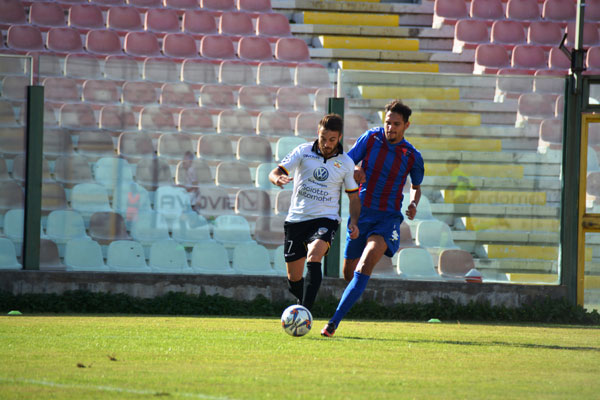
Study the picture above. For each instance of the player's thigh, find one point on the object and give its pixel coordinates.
(373, 252)
(295, 269)
(349, 268)
(317, 249)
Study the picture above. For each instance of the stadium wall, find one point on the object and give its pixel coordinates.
(385, 291)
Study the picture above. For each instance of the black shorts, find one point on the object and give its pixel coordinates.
(299, 234)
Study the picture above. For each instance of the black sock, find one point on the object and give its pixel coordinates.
(296, 288)
(314, 276)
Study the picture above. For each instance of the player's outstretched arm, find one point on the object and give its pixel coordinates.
(279, 178)
(354, 214)
(415, 195)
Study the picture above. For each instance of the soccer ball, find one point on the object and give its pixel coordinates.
(296, 320)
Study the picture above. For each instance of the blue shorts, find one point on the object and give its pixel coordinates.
(372, 222)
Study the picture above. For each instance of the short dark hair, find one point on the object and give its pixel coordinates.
(332, 122)
(396, 106)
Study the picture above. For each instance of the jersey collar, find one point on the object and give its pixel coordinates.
(315, 149)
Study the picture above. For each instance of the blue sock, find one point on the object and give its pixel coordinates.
(352, 293)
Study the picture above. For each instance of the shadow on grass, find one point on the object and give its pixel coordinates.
(471, 343)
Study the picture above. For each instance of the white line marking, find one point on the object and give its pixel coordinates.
(111, 389)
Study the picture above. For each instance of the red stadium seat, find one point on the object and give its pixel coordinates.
(182, 4)
(125, 19)
(489, 58)
(550, 134)
(66, 40)
(528, 57)
(254, 150)
(199, 22)
(100, 91)
(141, 44)
(117, 118)
(218, 5)
(49, 14)
(558, 60)
(545, 33)
(273, 123)
(161, 20)
(322, 96)
(593, 58)
(157, 119)
(535, 107)
(236, 73)
(255, 49)
(256, 98)
(24, 37)
(235, 122)
(139, 93)
(82, 66)
(448, 12)
(510, 86)
(162, 70)
(274, 74)
(273, 24)
(179, 45)
(61, 89)
(559, 11)
(121, 68)
(103, 41)
(196, 121)
(255, 6)
(77, 116)
(523, 10)
(199, 71)
(236, 23)
(307, 123)
(133, 146)
(215, 147)
(145, 3)
(592, 10)
(468, 33)
(507, 33)
(217, 96)
(541, 84)
(293, 99)
(177, 95)
(590, 34)
(13, 12)
(490, 10)
(85, 16)
(291, 49)
(354, 126)
(217, 47)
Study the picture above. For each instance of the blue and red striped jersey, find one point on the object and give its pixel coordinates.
(386, 167)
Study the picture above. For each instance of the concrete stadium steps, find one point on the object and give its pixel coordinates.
(534, 165)
(374, 36)
(511, 224)
(475, 170)
(367, 43)
(455, 144)
(408, 14)
(453, 196)
(429, 39)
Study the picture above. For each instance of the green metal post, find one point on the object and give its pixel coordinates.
(332, 261)
(570, 177)
(33, 177)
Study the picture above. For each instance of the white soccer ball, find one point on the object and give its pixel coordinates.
(296, 320)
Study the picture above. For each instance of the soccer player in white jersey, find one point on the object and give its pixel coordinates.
(320, 169)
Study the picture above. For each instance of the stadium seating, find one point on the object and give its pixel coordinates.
(126, 256)
(210, 258)
(468, 33)
(448, 12)
(169, 257)
(435, 236)
(190, 229)
(49, 257)
(64, 225)
(84, 255)
(254, 150)
(525, 11)
(46, 14)
(416, 263)
(233, 174)
(252, 259)
(106, 227)
(455, 263)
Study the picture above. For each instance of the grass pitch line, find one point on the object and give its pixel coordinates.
(112, 389)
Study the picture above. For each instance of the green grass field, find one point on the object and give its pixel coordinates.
(129, 357)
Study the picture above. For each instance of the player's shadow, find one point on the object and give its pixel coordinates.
(471, 343)
(517, 345)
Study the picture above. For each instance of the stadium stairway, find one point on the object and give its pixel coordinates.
(511, 218)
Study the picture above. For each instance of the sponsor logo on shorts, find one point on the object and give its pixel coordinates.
(321, 174)
(322, 230)
(394, 236)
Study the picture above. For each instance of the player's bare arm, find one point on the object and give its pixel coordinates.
(411, 210)
(279, 178)
(354, 214)
(359, 175)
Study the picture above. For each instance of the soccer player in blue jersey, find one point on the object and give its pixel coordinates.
(386, 159)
